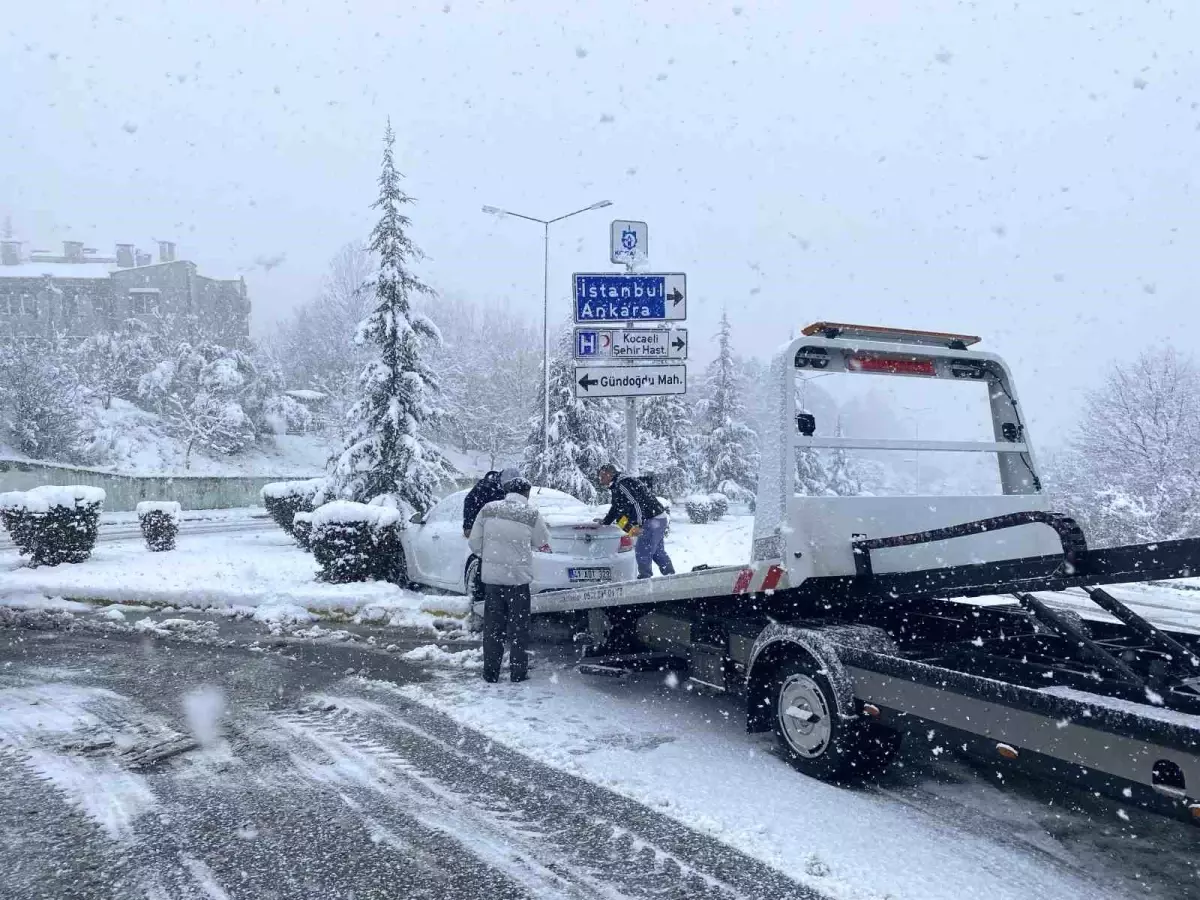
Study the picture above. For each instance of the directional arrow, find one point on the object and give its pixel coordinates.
(586, 382)
(678, 343)
(676, 296)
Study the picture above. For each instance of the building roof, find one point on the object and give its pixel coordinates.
(58, 270)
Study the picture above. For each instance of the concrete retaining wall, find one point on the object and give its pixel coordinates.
(124, 492)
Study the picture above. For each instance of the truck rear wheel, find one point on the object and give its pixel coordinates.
(818, 737)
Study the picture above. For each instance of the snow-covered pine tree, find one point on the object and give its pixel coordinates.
(729, 448)
(666, 420)
(844, 477)
(387, 449)
(582, 433)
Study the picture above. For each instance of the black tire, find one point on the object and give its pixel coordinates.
(474, 588)
(827, 744)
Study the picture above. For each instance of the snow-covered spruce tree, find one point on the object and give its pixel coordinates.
(665, 425)
(729, 447)
(845, 480)
(387, 449)
(582, 434)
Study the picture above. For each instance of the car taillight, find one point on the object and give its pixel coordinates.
(626, 544)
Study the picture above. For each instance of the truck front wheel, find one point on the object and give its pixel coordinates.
(818, 737)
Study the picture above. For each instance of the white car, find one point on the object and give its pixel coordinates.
(580, 552)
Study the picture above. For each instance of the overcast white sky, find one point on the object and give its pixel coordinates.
(1024, 171)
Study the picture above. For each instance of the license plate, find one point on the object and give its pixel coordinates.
(590, 574)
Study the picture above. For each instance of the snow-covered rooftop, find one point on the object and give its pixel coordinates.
(58, 270)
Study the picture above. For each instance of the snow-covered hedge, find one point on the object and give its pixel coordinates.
(283, 499)
(720, 505)
(700, 508)
(53, 524)
(18, 517)
(357, 542)
(159, 521)
(302, 529)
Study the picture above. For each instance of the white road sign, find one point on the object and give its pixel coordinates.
(629, 242)
(631, 343)
(630, 381)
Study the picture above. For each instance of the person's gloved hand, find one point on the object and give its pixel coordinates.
(466, 532)
(635, 530)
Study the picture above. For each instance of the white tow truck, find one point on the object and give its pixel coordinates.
(852, 623)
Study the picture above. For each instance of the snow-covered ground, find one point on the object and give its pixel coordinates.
(242, 571)
(686, 755)
(266, 568)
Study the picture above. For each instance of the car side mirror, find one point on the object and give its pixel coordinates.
(417, 519)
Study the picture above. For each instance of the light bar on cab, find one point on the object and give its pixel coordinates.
(890, 365)
(895, 335)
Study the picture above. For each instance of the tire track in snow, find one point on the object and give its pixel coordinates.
(606, 845)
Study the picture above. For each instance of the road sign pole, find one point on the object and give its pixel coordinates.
(631, 428)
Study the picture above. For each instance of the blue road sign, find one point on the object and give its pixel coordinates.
(619, 297)
(587, 343)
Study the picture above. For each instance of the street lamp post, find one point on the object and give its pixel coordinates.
(545, 223)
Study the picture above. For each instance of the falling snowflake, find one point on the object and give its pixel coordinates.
(944, 57)
(130, 127)
(1140, 83)
(581, 52)
(607, 118)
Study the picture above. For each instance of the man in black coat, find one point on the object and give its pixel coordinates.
(487, 489)
(638, 513)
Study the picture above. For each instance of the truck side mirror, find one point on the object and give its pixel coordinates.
(806, 424)
(417, 519)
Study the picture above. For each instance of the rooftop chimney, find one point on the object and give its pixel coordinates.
(125, 256)
(73, 251)
(10, 253)
(141, 259)
(166, 251)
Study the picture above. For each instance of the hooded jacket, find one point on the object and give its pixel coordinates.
(505, 535)
(485, 491)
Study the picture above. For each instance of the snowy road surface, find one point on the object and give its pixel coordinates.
(135, 766)
(136, 769)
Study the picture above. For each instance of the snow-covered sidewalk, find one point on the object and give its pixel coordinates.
(262, 571)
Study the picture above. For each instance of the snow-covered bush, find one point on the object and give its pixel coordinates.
(720, 505)
(356, 542)
(159, 521)
(283, 499)
(53, 524)
(19, 516)
(699, 508)
(302, 529)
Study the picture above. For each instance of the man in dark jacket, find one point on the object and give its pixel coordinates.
(487, 489)
(638, 513)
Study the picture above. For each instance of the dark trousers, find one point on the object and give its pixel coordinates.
(506, 613)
